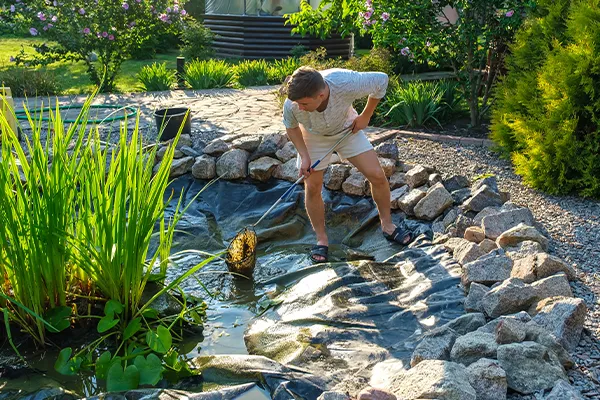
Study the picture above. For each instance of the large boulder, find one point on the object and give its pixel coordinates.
(370, 393)
(488, 379)
(456, 182)
(417, 176)
(474, 345)
(269, 145)
(387, 150)
(247, 142)
(496, 224)
(562, 390)
(467, 252)
(408, 202)
(355, 184)
(521, 233)
(466, 323)
(287, 171)
(487, 270)
(335, 175)
(181, 166)
(522, 250)
(511, 296)
(555, 285)
(396, 195)
(205, 167)
(473, 300)
(262, 168)
(233, 164)
(489, 181)
(216, 148)
(529, 366)
(482, 198)
(474, 234)
(435, 345)
(388, 166)
(287, 152)
(563, 317)
(540, 265)
(435, 202)
(398, 179)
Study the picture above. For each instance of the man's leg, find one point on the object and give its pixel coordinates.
(368, 164)
(313, 185)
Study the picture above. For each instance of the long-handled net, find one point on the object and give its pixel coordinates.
(241, 253)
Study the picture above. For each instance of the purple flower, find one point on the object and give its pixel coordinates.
(104, 34)
(12, 8)
(111, 37)
(54, 18)
(168, 9)
(12, 59)
(41, 16)
(183, 12)
(428, 43)
(164, 17)
(385, 16)
(86, 31)
(369, 3)
(50, 26)
(98, 34)
(126, 6)
(33, 31)
(510, 13)
(55, 3)
(368, 14)
(405, 51)
(45, 27)
(81, 11)
(139, 1)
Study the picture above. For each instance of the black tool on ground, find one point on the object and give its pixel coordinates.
(241, 253)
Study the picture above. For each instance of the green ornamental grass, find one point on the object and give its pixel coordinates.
(252, 73)
(156, 77)
(209, 74)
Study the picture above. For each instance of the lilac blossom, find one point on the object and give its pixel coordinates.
(111, 37)
(41, 16)
(405, 51)
(164, 17)
(183, 12)
(12, 8)
(385, 16)
(125, 6)
(104, 34)
(33, 31)
(81, 11)
(510, 13)
(86, 31)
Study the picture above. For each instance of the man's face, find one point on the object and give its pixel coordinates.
(311, 103)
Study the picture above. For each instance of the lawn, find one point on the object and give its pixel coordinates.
(72, 76)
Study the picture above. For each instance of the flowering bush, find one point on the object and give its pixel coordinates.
(110, 29)
(470, 35)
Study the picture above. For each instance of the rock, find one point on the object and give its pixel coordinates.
(287, 152)
(205, 167)
(216, 148)
(396, 195)
(384, 372)
(181, 166)
(563, 317)
(487, 245)
(519, 234)
(370, 393)
(478, 219)
(563, 391)
(387, 150)
(538, 334)
(269, 145)
(529, 366)
(417, 176)
(540, 265)
(488, 379)
(462, 223)
(165, 305)
(482, 198)
(408, 202)
(492, 326)
(435, 345)
(188, 151)
(489, 181)
(397, 180)
(523, 249)
(335, 175)
(555, 285)
(450, 217)
(388, 166)
(433, 379)
(487, 270)
(233, 164)
(474, 234)
(466, 323)
(434, 203)
(262, 168)
(474, 345)
(467, 252)
(333, 396)
(473, 300)
(160, 153)
(355, 184)
(434, 179)
(510, 330)
(460, 195)
(456, 182)
(452, 244)
(496, 224)
(247, 142)
(512, 296)
(287, 171)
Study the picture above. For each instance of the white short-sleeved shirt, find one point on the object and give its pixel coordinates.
(345, 86)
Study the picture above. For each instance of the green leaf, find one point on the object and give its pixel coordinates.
(150, 369)
(159, 341)
(118, 379)
(106, 323)
(65, 364)
(113, 307)
(150, 313)
(103, 364)
(58, 317)
(132, 328)
(172, 360)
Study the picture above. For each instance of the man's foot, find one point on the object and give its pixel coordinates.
(319, 254)
(401, 235)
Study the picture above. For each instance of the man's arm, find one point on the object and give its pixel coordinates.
(295, 135)
(374, 85)
(362, 121)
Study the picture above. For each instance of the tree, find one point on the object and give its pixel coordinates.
(470, 35)
(82, 30)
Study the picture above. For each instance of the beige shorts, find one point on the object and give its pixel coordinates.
(318, 145)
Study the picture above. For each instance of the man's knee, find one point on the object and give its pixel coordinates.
(378, 178)
(313, 186)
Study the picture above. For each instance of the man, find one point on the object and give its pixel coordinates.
(316, 114)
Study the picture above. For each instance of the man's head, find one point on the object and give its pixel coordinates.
(307, 88)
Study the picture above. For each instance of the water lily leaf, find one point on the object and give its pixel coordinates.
(106, 323)
(159, 341)
(150, 313)
(132, 328)
(113, 307)
(65, 364)
(150, 369)
(118, 379)
(58, 317)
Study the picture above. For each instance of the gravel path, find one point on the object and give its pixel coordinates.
(571, 223)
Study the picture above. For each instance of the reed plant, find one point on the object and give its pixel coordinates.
(209, 74)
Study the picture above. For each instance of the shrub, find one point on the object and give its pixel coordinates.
(415, 103)
(156, 77)
(318, 60)
(549, 105)
(252, 72)
(209, 74)
(378, 59)
(298, 51)
(281, 69)
(197, 41)
(30, 82)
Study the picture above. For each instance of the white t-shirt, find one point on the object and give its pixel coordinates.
(345, 86)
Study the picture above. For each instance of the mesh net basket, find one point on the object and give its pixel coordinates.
(241, 253)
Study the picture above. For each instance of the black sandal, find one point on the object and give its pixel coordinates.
(321, 252)
(401, 235)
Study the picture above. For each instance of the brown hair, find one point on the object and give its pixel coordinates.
(304, 82)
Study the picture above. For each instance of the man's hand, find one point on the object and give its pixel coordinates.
(360, 123)
(305, 167)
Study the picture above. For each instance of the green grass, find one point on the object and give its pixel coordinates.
(72, 76)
